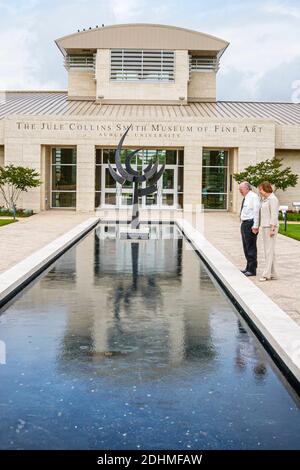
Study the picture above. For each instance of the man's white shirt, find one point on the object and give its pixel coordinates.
(251, 208)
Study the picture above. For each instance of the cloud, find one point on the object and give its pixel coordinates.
(127, 10)
(259, 45)
(263, 35)
(283, 78)
(282, 9)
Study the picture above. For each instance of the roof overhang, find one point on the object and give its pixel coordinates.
(142, 36)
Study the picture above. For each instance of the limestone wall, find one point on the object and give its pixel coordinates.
(290, 158)
(202, 86)
(145, 92)
(81, 84)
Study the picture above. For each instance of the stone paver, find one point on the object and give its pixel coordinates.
(223, 231)
(19, 240)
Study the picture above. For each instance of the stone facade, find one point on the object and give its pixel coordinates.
(81, 84)
(178, 112)
(145, 92)
(202, 87)
(28, 140)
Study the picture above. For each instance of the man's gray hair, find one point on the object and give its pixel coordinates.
(245, 183)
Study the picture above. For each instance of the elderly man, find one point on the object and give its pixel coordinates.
(249, 226)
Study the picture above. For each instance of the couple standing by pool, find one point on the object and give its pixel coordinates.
(259, 214)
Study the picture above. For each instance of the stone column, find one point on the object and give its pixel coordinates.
(192, 183)
(32, 158)
(246, 156)
(233, 168)
(85, 197)
(27, 155)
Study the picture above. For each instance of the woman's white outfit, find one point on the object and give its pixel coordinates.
(269, 216)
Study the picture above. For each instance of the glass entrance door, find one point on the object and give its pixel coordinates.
(168, 187)
(114, 194)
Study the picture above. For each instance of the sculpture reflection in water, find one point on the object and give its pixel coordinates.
(150, 174)
(140, 287)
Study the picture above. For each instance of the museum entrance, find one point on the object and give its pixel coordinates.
(170, 186)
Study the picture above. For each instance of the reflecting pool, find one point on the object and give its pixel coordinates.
(132, 345)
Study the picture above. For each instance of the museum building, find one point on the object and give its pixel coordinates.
(160, 81)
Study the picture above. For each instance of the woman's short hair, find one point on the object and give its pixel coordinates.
(266, 187)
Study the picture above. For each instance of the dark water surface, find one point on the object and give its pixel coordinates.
(131, 345)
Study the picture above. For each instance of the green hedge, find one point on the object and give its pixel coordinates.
(20, 212)
(293, 216)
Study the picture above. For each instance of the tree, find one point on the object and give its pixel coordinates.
(13, 181)
(269, 170)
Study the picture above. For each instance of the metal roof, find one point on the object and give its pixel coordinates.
(56, 103)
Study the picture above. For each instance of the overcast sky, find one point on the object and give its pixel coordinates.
(261, 63)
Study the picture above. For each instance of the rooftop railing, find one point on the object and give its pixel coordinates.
(82, 62)
(203, 64)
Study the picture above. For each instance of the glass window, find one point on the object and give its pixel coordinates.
(122, 195)
(63, 181)
(109, 181)
(215, 158)
(180, 179)
(98, 156)
(171, 157)
(167, 199)
(64, 177)
(180, 200)
(214, 179)
(110, 198)
(124, 153)
(108, 155)
(214, 201)
(180, 157)
(127, 184)
(97, 199)
(138, 64)
(168, 178)
(161, 154)
(127, 199)
(63, 199)
(63, 156)
(151, 199)
(98, 178)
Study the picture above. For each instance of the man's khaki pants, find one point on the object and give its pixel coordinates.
(269, 246)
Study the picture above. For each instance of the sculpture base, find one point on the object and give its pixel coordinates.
(134, 233)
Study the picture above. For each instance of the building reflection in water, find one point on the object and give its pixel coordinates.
(138, 301)
(147, 306)
(248, 354)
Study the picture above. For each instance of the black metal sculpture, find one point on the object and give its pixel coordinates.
(151, 172)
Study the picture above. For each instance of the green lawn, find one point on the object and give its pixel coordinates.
(7, 221)
(292, 231)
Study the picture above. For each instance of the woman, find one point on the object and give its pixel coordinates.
(269, 227)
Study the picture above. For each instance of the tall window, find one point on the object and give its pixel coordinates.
(170, 186)
(214, 179)
(63, 170)
(137, 64)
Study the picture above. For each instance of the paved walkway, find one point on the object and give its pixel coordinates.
(19, 240)
(223, 231)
